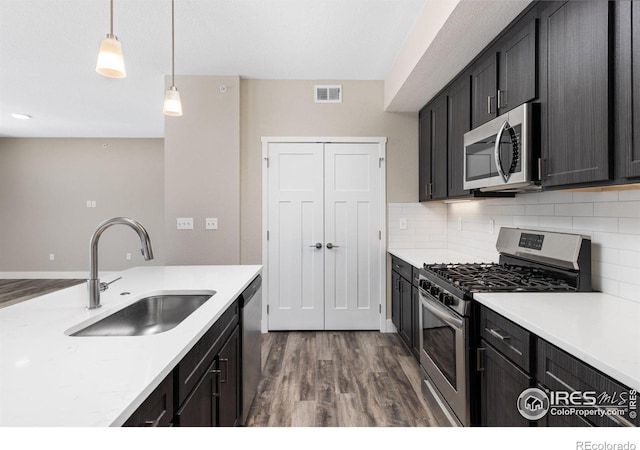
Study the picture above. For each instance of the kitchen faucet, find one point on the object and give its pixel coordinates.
(93, 283)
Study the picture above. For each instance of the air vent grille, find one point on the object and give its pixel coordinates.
(328, 93)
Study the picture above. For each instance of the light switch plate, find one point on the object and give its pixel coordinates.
(403, 224)
(211, 223)
(185, 223)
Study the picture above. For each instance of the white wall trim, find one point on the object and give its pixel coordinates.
(389, 327)
(382, 152)
(45, 275)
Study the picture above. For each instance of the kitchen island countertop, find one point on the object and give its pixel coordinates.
(48, 378)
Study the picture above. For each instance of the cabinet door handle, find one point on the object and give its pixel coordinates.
(218, 389)
(156, 422)
(497, 332)
(501, 98)
(226, 366)
(479, 356)
(429, 189)
(489, 105)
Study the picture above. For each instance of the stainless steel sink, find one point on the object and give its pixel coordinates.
(149, 315)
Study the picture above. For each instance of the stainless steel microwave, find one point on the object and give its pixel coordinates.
(500, 155)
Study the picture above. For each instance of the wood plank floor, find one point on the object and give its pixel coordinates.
(338, 379)
(16, 291)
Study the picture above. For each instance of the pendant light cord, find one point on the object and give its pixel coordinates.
(111, 29)
(173, 71)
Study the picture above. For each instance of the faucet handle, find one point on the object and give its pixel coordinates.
(105, 286)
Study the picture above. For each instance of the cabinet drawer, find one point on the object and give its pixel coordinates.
(194, 365)
(560, 371)
(403, 268)
(510, 339)
(157, 409)
(415, 278)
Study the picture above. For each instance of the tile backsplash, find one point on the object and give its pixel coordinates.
(610, 218)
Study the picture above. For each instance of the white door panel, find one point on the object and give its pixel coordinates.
(352, 215)
(296, 273)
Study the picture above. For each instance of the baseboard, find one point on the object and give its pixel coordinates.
(44, 275)
(389, 327)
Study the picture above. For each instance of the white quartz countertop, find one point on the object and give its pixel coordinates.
(418, 257)
(599, 329)
(48, 378)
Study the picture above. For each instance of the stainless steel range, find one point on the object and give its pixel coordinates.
(530, 261)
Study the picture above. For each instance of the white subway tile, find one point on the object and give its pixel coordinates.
(513, 210)
(608, 224)
(631, 226)
(555, 197)
(605, 254)
(630, 195)
(618, 240)
(574, 209)
(617, 209)
(557, 222)
(631, 259)
(528, 198)
(525, 221)
(539, 210)
(589, 197)
(605, 285)
(629, 291)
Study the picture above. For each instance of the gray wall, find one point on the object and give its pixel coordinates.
(202, 171)
(44, 188)
(287, 108)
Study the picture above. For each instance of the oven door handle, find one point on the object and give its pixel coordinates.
(441, 313)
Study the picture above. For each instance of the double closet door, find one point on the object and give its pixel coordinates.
(324, 238)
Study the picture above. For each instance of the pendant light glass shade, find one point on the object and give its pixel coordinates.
(172, 103)
(110, 60)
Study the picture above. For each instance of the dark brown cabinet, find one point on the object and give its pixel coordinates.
(485, 88)
(157, 409)
(199, 408)
(404, 303)
(575, 112)
(504, 368)
(501, 382)
(433, 150)
(459, 109)
(229, 390)
(518, 68)
(633, 157)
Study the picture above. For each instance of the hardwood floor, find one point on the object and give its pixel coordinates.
(16, 291)
(338, 379)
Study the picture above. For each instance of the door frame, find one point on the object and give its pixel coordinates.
(382, 155)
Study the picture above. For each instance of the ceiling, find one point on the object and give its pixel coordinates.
(48, 51)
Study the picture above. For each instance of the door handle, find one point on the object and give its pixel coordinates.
(317, 245)
(496, 152)
(216, 373)
(489, 105)
(226, 369)
(500, 98)
(330, 246)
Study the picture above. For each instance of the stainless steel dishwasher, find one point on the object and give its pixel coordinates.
(251, 304)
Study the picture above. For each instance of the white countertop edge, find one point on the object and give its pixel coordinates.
(417, 257)
(609, 368)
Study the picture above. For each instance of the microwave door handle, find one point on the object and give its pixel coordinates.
(496, 151)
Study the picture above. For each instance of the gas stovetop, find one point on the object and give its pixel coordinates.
(499, 278)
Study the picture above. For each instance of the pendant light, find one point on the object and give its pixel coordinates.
(110, 60)
(172, 103)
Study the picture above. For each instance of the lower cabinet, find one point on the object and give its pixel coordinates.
(501, 382)
(405, 303)
(203, 390)
(406, 311)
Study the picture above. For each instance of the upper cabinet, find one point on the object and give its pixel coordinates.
(433, 150)
(505, 77)
(459, 122)
(575, 113)
(627, 90)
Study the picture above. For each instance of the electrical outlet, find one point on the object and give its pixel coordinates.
(403, 224)
(185, 223)
(492, 226)
(93, 203)
(211, 223)
(88, 203)
(52, 256)
(128, 256)
(459, 223)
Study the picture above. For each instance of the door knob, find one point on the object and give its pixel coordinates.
(330, 246)
(317, 245)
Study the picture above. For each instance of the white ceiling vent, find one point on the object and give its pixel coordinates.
(328, 93)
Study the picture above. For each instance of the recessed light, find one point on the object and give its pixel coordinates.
(21, 116)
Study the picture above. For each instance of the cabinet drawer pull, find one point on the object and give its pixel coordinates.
(218, 388)
(497, 332)
(155, 423)
(479, 355)
(226, 366)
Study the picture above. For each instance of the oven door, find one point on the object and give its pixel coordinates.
(444, 354)
(496, 154)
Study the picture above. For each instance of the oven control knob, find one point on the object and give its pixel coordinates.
(448, 300)
(425, 285)
(434, 291)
